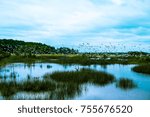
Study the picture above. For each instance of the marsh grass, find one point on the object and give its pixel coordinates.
(82, 76)
(125, 84)
(55, 91)
(82, 59)
(66, 91)
(7, 89)
(13, 75)
(37, 86)
(142, 69)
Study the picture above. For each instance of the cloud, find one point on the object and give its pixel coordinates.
(118, 2)
(71, 22)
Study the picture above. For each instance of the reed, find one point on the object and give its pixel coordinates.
(7, 89)
(125, 84)
(142, 69)
(82, 76)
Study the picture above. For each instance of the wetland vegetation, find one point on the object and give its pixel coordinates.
(38, 71)
(142, 69)
(59, 91)
(82, 76)
(125, 83)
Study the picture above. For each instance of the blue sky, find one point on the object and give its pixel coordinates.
(89, 25)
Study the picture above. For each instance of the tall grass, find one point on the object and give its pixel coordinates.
(37, 86)
(125, 84)
(142, 69)
(82, 59)
(66, 91)
(9, 88)
(54, 90)
(82, 76)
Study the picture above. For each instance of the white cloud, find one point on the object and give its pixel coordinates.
(58, 19)
(118, 2)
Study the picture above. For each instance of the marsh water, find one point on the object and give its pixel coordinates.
(20, 72)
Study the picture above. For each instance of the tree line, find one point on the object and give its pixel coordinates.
(10, 46)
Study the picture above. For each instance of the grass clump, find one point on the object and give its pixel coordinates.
(37, 86)
(142, 69)
(7, 89)
(66, 91)
(125, 83)
(82, 76)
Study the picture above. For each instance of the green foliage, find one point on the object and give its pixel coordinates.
(142, 69)
(36, 86)
(136, 53)
(82, 76)
(31, 48)
(64, 50)
(3, 54)
(125, 84)
(8, 89)
(55, 90)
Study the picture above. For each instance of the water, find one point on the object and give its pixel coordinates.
(20, 72)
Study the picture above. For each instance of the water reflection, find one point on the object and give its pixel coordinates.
(137, 87)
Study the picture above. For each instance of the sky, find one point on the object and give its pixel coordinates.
(87, 25)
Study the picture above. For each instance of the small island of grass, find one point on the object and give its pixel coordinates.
(82, 76)
(142, 69)
(125, 84)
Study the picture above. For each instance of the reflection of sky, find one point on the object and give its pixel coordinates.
(107, 25)
(39, 69)
(92, 92)
(124, 71)
(111, 92)
(35, 70)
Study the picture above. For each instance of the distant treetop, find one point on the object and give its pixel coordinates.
(20, 47)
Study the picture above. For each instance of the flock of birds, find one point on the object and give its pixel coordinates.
(109, 47)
